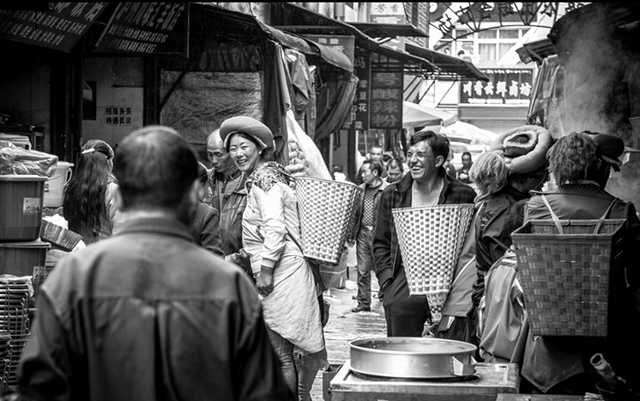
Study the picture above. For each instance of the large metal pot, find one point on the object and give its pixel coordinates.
(413, 357)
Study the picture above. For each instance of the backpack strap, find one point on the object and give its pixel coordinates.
(604, 216)
(553, 215)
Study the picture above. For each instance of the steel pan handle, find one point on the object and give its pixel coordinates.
(459, 368)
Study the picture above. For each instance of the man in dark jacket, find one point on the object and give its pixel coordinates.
(147, 314)
(229, 197)
(427, 183)
(372, 190)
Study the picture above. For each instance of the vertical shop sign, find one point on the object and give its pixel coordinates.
(359, 118)
(505, 87)
(59, 29)
(386, 100)
(145, 28)
(342, 43)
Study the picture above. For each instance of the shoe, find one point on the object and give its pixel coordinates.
(361, 308)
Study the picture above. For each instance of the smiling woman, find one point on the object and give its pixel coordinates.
(270, 233)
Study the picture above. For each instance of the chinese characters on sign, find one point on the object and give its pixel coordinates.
(359, 118)
(505, 87)
(386, 100)
(141, 27)
(59, 29)
(114, 115)
(342, 43)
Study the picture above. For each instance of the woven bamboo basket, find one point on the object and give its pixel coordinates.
(430, 239)
(326, 210)
(567, 278)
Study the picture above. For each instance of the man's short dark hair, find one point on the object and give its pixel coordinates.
(466, 154)
(439, 143)
(155, 168)
(395, 163)
(374, 165)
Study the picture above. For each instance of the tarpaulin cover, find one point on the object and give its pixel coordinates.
(334, 102)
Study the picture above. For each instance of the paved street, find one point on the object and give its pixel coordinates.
(345, 326)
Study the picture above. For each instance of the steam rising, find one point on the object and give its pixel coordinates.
(601, 85)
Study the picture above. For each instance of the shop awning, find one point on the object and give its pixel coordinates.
(303, 45)
(301, 21)
(308, 46)
(376, 30)
(536, 51)
(424, 62)
(450, 68)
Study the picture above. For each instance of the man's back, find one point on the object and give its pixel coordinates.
(147, 315)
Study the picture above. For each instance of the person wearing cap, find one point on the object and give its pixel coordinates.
(581, 163)
(229, 198)
(502, 180)
(270, 236)
(426, 184)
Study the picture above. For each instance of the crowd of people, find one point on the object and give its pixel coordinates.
(195, 284)
(525, 176)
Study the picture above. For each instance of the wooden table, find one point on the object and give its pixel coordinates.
(548, 397)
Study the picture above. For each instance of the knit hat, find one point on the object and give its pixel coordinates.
(249, 126)
(610, 148)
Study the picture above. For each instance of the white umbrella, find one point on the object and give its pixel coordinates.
(468, 133)
(417, 115)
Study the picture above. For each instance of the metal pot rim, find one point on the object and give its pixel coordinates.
(359, 345)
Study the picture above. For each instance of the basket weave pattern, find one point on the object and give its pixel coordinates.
(430, 239)
(566, 277)
(325, 208)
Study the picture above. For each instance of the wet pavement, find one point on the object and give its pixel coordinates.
(345, 326)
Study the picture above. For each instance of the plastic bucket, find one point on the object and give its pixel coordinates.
(20, 207)
(20, 258)
(54, 187)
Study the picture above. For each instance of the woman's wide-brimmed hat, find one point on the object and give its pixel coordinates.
(249, 126)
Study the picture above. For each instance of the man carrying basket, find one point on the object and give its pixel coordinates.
(427, 184)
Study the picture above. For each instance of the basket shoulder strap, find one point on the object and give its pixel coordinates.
(604, 216)
(553, 215)
(293, 238)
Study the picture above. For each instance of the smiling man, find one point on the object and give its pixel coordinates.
(425, 184)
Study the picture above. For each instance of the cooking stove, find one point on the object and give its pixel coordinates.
(488, 381)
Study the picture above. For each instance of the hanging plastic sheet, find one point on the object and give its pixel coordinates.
(317, 167)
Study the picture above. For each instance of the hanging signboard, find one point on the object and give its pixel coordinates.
(505, 87)
(150, 28)
(389, 13)
(386, 100)
(342, 43)
(59, 29)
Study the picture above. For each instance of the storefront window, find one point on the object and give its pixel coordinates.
(509, 33)
(487, 51)
(491, 34)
